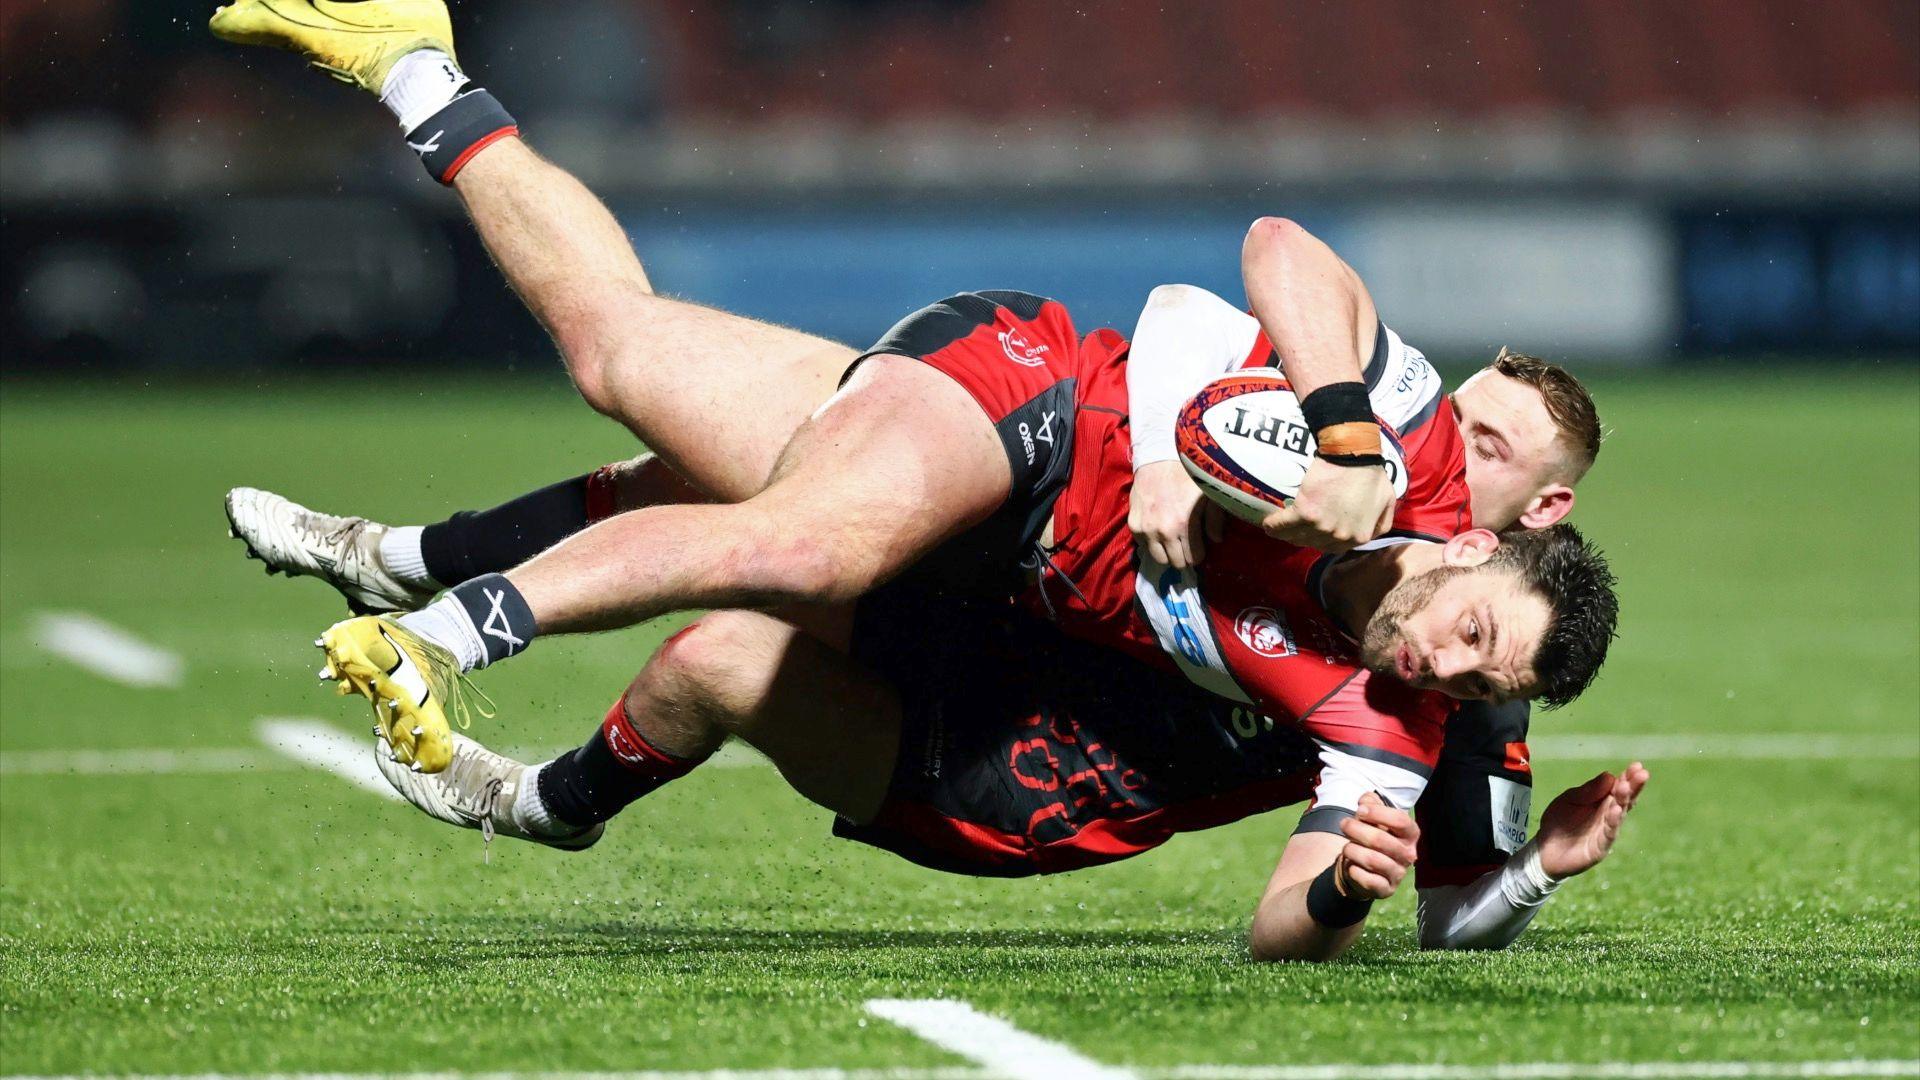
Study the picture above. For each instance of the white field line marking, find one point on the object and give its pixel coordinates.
(111, 762)
(323, 746)
(1759, 747)
(1004, 1050)
(644, 1074)
(106, 650)
(1546, 1070)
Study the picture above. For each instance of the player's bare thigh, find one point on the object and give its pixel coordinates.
(898, 461)
(718, 395)
(830, 726)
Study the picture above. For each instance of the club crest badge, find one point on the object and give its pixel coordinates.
(1264, 630)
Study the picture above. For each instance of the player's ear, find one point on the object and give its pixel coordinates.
(1470, 548)
(1546, 509)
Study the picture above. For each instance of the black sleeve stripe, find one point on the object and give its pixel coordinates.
(1419, 419)
(1324, 819)
(1376, 368)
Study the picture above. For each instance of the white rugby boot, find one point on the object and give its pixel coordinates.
(477, 790)
(344, 552)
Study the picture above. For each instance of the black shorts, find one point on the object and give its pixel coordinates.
(1023, 752)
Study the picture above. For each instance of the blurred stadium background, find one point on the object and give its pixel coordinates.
(1631, 180)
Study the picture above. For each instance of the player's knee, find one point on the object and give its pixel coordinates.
(695, 667)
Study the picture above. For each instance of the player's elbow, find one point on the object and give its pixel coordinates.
(1273, 241)
(591, 369)
(1174, 298)
(1270, 944)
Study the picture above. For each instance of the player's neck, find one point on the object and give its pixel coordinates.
(1357, 584)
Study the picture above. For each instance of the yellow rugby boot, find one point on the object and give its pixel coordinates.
(355, 41)
(414, 686)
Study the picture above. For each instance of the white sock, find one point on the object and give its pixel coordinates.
(420, 84)
(400, 554)
(444, 622)
(530, 810)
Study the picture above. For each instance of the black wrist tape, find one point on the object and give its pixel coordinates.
(499, 613)
(1337, 403)
(448, 139)
(1326, 906)
(1355, 461)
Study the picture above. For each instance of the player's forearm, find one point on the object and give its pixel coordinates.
(1284, 930)
(1311, 304)
(1185, 336)
(558, 246)
(1489, 912)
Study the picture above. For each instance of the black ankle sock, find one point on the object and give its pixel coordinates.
(612, 769)
(476, 542)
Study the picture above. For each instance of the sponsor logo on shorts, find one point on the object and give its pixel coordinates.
(1265, 631)
(1021, 351)
(1045, 434)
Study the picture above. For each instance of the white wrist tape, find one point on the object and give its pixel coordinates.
(420, 84)
(1523, 882)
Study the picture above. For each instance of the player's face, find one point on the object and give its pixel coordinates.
(1468, 632)
(1514, 458)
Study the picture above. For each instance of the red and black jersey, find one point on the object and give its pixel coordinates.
(1249, 624)
(1025, 752)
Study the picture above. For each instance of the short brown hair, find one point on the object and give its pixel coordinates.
(1568, 404)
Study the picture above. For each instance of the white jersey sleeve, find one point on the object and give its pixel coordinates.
(1185, 338)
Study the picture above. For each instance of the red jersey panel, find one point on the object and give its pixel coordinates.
(1247, 625)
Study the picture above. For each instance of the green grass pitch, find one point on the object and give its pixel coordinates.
(1763, 906)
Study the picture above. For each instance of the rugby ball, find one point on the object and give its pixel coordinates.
(1243, 440)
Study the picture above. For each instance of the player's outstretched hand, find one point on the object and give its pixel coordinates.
(1338, 508)
(1381, 842)
(1171, 517)
(1578, 828)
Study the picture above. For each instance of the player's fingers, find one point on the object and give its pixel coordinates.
(1177, 556)
(1361, 859)
(1381, 526)
(1391, 818)
(1367, 883)
(1282, 519)
(1216, 516)
(1378, 839)
(1157, 550)
(1196, 534)
(1595, 789)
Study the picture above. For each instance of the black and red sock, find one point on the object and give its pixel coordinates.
(616, 766)
(476, 542)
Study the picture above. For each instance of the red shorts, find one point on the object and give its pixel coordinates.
(1017, 355)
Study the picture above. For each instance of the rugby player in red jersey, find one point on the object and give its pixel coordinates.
(824, 529)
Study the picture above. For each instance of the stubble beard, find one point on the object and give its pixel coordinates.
(1381, 639)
